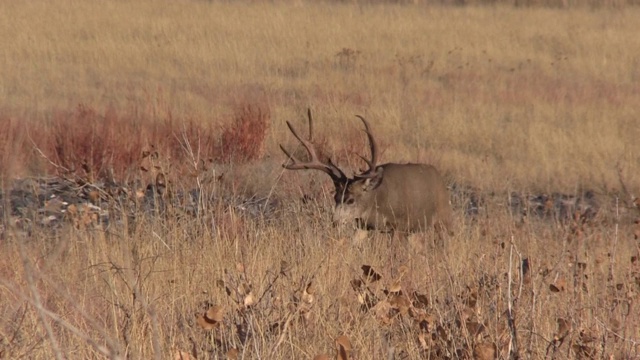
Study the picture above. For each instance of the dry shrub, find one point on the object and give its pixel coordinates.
(98, 144)
(243, 140)
(110, 145)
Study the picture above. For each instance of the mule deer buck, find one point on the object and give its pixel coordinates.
(388, 197)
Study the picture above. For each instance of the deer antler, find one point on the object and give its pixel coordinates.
(315, 163)
(374, 152)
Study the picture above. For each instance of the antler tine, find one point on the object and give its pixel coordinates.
(314, 162)
(374, 150)
(365, 160)
(310, 124)
(307, 145)
(289, 155)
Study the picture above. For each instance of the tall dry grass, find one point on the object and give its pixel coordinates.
(500, 98)
(286, 288)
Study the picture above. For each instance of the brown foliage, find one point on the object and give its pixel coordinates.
(98, 144)
(243, 140)
(109, 145)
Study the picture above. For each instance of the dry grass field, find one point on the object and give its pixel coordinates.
(509, 102)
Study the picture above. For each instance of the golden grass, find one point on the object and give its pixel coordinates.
(146, 288)
(540, 97)
(496, 96)
(499, 98)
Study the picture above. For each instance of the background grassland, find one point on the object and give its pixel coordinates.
(498, 97)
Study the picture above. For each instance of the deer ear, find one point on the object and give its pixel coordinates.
(375, 181)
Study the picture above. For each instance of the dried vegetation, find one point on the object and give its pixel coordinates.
(159, 223)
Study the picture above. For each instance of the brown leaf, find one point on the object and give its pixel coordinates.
(232, 354)
(559, 285)
(475, 328)
(72, 210)
(370, 274)
(564, 327)
(588, 336)
(396, 287)
(310, 288)
(94, 196)
(484, 351)
(400, 303)
(382, 311)
(249, 300)
(307, 294)
(181, 355)
(356, 284)
(343, 346)
(211, 318)
(421, 300)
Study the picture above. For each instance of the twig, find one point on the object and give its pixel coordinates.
(37, 303)
(266, 202)
(284, 332)
(511, 321)
(57, 166)
(624, 186)
(107, 352)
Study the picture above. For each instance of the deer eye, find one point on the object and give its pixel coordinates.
(350, 201)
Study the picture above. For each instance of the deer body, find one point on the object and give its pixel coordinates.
(393, 197)
(403, 197)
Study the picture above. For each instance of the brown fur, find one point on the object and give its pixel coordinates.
(402, 197)
(394, 197)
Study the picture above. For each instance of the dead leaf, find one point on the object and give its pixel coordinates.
(400, 303)
(484, 351)
(182, 355)
(215, 313)
(559, 285)
(382, 311)
(564, 327)
(475, 329)
(249, 300)
(356, 284)
(421, 300)
(588, 336)
(94, 196)
(370, 274)
(72, 210)
(307, 294)
(344, 347)
(396, 287)
(211, 318)
(232, 354)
